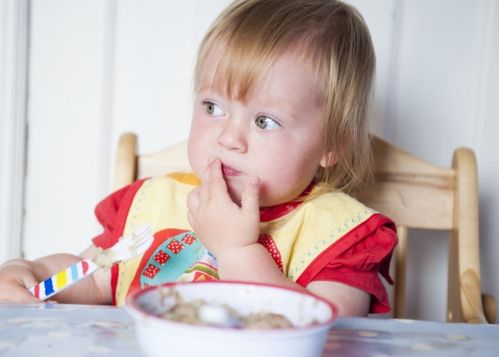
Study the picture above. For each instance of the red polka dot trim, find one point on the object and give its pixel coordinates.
(269, 244)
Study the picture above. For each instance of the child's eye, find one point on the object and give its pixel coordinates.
(213, 109)
(265, 122)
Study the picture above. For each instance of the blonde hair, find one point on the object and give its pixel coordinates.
(333, 38)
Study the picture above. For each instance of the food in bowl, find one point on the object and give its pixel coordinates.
(200, 312)
(310, 317)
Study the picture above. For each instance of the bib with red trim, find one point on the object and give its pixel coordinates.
(295, 234)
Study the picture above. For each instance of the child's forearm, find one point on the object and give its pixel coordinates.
(252, 263)
(18, 275)
(89, 290)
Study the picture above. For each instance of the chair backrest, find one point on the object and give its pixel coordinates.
(413, 192)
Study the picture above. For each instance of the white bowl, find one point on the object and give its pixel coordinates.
(311, 316)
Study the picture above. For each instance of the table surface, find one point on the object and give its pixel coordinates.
(83, 330)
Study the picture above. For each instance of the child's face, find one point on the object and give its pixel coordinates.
(274, 134)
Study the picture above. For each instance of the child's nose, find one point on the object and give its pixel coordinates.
(233, 136)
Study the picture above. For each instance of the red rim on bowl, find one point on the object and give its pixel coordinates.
(132, 304)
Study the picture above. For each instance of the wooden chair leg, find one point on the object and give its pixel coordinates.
(489, 307)
(399, 309)
(471, 299)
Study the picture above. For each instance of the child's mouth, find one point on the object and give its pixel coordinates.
(229, 171)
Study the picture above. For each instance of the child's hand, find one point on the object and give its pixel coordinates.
(220, 223)
(15, 280)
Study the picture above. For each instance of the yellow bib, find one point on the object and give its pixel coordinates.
(299, 236)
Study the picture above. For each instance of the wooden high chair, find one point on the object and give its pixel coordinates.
(414, 193)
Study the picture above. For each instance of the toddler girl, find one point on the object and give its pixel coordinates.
(278, 143)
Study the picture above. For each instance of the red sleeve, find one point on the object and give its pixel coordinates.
(359, 259)
(112, 212)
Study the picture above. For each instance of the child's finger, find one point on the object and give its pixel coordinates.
(250, 200)
(216, 184)
(29, 299)
(215, 170)
(25, 294)
(205, 188)
(21, 295)
(206, 173)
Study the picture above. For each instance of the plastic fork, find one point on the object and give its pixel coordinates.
(127, 247)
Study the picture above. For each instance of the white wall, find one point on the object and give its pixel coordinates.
(98, 68)
(68, 149)
(13, 96)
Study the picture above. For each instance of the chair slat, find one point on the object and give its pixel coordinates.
(413, 192)
(173, 159)
(412, 205)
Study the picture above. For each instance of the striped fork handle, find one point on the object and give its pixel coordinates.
(64, 279)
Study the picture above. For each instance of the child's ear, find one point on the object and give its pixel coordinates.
(328, 159)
